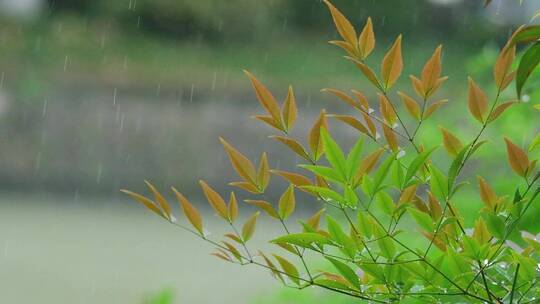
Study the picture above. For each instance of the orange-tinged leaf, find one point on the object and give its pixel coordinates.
(508, 79)
(487, 194)
(343, 26)
(368, 163)
(353, 122)
(294, 178)
(265, 97)
(221, 256)
(271, 266)
(249, 227)
(392, 64)
(362, 99)
(233, 250)
(408, 194)
(289, 110)
(436, 241)
(293, 145)
(519, 161)
(241, 164)
(503, 65)
(478, 102)
(190, 212)
(215, 200)
(288, 268)
(391, 138)
(366, 40)
(232, 209)
(500, 109)
(269, 120)
(233, 237)
(346, 98)
(368, 72)
(246, 186)
(371, 125)
(287, 203)
(148, 203)
(411, 105)
(417, 86)
(481, 232)
(315, 141)
(452, 144)
(347, 47)
(432, 72)
(265, 206)
(434, 206)
(315, 219)
(387, 110)
(434, 107)
(160, 200)
(263, 174)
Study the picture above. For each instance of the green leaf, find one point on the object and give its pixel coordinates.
(354, 158)
(288, 268)
(398, 174)
(438, 183)
(333, 153)
(326, 172)
(351, 199)
(374, 270)
(365, 224)
(346, 272)
(528, 63)
(306, 239)
(527, 34)
(422, 219)
(456, 164)
(386, 244)
(535, 143)
(495, 225)
(386, 203)
(249, 227)
(417, 163)
(326, 194)
(287, 203)
(382, 172)
(340, 237)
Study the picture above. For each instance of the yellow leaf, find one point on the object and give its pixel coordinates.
(271, 266)
(519, 161)
(346, 98)
(294, 178)
(249, 227)
(436, 241)
(417, 86)
(233, 250)
(353, 122)
(487, 194)
(289, 110)
(408, 194)
(500, 109)
(370, 124)
(481, 232)
(366, 40)
(411, 105)
(343, 26)
(391, 138)
(368, 72)
(264, 205)
(233, 237)
(148, 203)
(246, 186)
(432, 72)
(240, 163)
(288, 268)
(232, 209)
(265, 97)
(434, 107)
(315, 141)
(263, 174)
(287, 203)
(215, 200)
(160, 200)
(293, 145)
(268, 120)
(503, 65)
(347, 47)
(190, 212)
(452, 144)
(387, 110)
(478, 102)
(392, 64)
(315, 219)
(362, 99)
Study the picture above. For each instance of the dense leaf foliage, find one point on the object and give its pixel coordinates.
(385, 193)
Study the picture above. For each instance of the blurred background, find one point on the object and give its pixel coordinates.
(100, 95)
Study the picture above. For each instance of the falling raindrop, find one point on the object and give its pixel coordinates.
(66, 62)
(191, 93)
(99, 172)
(44, 110)
(214, 81)
(114, 96)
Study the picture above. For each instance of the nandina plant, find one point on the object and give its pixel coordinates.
(395, 233)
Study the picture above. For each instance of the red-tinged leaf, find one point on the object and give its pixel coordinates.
(452, 144)
(519, 161)
(293, 145)
(315, 141)
(391, 138)
(288, 268)
(434, 107)
(387, 110)
(344, 97)
(503, 65)
(478, 102)
(500, 109)
(411, 105)
(269, 120)
(294, 178)
(343, 26)
(190, 212)
(366, 40)
(362, 99)
(392, 64)
(241, 164)
(418, 86)
(265, 97)
(246, 186)
(432, 72)
(249, 227)
(148, 203)
(315, 219)
(289, 110)
(265, 206)
(287, 203)
(232, 209)
(263, 174)
(215, 200)
(368, 72)
(353, 122)
(162, 202)
(489, 197)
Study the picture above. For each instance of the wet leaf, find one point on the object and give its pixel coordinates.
(343, 26)
(353, 122)
(232, 209)
(289, 110)
(148, 203)
(434, 107)
(287, 203)
(481, 233)
(432, 72)
(249, 227)
(411, 105)
(366, 40)
(387, 110)
(344, 97)
(294, 145)
(305, 239)
(265, 97)
(190, 211)
(503, 65)
(162, 202)
(288, 268)
(392, 64)
(478, 102)
(529, 61)
(500, 109)
(368, 72)
(315, 141)
(263, 174)
(423, 219)
(391, 138)
(294, 178)
(315, 219)
(487, 194)
(346, 272)
(264, 205)
(215, 200)
(333, 153)
(452, 144)
(519, 161)
(241, 164)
